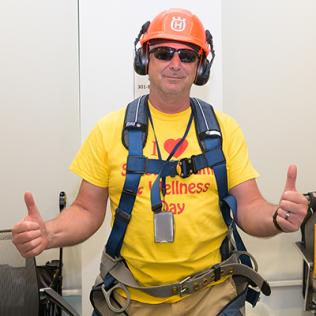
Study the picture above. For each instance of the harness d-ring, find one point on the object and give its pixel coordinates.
(107, 296)
(246, 253)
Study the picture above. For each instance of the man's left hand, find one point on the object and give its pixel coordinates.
(293, 205)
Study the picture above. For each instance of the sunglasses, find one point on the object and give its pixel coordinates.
(166, 53)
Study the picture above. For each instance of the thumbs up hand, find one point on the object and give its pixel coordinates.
(30, 235)
(293, 205)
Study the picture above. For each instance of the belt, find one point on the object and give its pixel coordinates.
(188, 285)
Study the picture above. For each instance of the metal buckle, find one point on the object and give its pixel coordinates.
(185, 167)
(181, 289)
(107, 296)
(200, 280)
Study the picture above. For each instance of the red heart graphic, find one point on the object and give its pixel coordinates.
(171, 143)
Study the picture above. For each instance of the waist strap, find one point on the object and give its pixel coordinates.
(190, 284)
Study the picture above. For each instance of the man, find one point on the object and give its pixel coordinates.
(173, 52)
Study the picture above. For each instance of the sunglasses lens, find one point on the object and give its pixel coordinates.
(166, 54)
(163, 53)
(187, 55)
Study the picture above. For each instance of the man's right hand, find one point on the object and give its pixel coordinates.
(30, 234)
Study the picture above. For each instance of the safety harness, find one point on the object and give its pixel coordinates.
(236, 261)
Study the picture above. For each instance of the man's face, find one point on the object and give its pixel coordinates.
(172, 76)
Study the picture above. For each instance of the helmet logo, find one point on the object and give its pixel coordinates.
(178, 24)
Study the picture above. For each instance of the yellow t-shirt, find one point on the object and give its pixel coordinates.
(199, 226)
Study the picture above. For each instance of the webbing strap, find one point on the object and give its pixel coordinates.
(142, 165)
(227, 202)
(252, 296)
(229, 267)
(229, 207)
(127, 200)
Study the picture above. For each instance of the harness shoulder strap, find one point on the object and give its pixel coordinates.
(210, 138)
(136, 118)
(134, 136)
(206, 123)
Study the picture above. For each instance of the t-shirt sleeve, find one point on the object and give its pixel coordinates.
(239, 165)
(90, 163)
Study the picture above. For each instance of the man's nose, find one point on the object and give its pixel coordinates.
(175, 60)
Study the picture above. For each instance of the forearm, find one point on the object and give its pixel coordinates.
(81, 220)
(256, 218)
(73, 226)
(32, 235)
(255, 214)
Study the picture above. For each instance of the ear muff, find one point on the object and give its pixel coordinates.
(204, 67)
(141, 61)
(202, 72)
(141, 54)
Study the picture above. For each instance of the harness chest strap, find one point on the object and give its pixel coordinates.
(191, 284)
(183, 167)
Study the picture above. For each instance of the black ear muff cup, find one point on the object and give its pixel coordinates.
(141, 61)
(204, 67)
(141, 53)
(202, 72)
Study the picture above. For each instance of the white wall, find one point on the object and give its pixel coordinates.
(269, 75)
(39, 111)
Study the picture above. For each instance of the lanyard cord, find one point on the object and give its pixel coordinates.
(155, 191)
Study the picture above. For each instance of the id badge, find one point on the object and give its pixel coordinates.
(163, 227)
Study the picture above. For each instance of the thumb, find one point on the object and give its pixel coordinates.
(32, 209)
(291, 178)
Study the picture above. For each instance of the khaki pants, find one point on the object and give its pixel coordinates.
(205, 302)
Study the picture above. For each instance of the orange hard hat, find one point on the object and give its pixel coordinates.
(179, 25)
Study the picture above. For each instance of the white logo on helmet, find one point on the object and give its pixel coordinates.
(178, 24)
